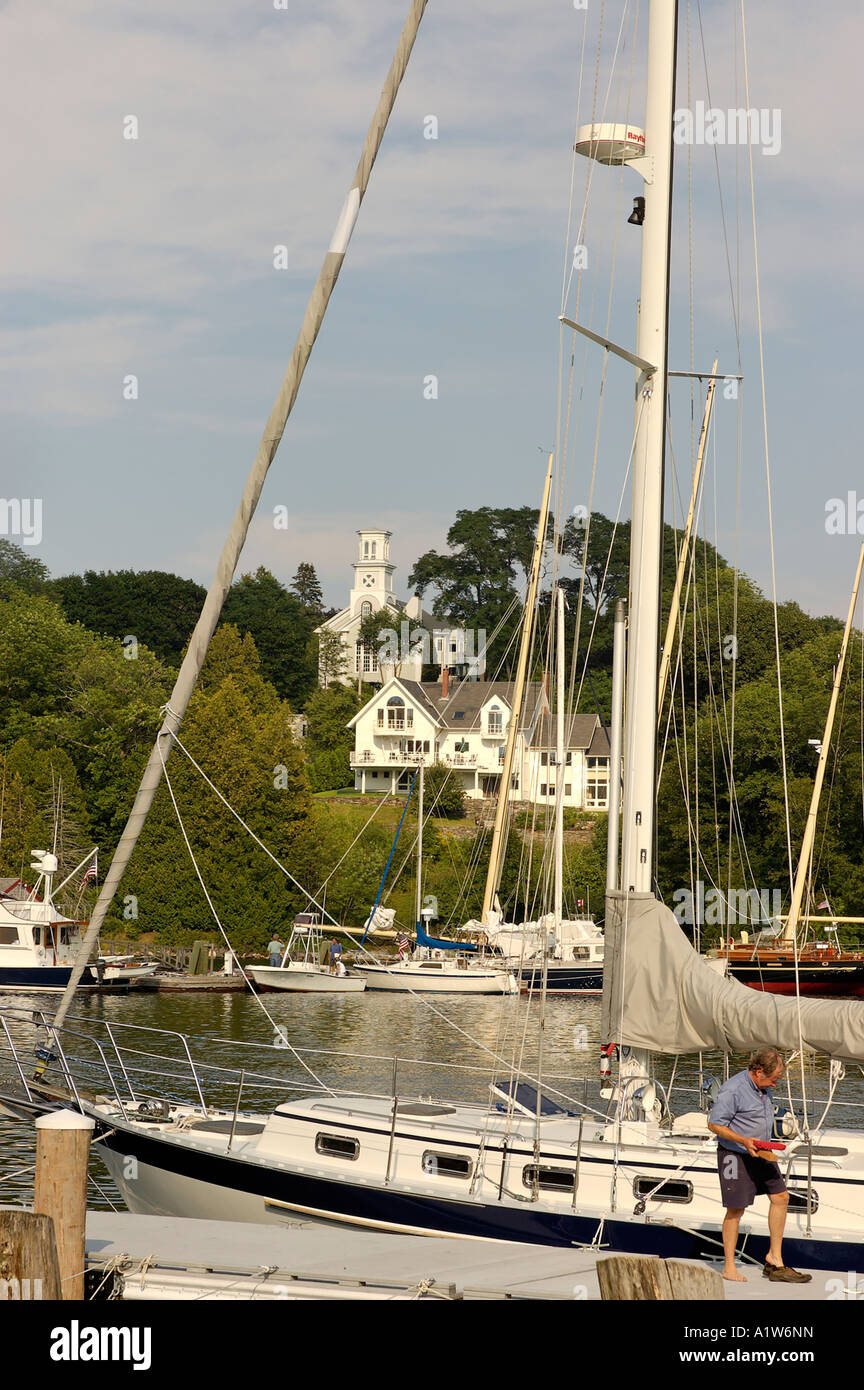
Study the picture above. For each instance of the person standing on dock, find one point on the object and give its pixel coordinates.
(275, 948)
(742, 1117)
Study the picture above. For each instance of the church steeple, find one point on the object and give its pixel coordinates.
(373, 572)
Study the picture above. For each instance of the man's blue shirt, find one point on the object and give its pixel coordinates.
(743, 1107)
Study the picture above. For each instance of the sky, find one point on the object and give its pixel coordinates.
(153, 257)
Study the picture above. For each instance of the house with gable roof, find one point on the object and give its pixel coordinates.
(463, 725)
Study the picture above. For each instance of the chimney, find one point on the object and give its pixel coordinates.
(445, 683)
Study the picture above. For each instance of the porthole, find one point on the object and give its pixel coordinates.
(672, 1190)
(798, 1200)
(548, 1179)
(447, 1165)
(337, 1146)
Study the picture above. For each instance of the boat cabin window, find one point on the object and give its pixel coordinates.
(798, 1199)
(673, 1190)
(431, 965)
(337, 1146)
(548, 1179)
(8, 936)
(447, 1165)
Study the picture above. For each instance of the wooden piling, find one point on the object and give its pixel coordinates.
(646, 1278)
(62, 1153)
(28, 1257)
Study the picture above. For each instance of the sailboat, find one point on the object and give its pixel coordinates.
(435, 966)
(528, 1161)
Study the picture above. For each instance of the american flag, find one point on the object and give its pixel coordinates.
(90, 872)
(403, 945)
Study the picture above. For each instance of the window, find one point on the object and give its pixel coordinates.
(494, 720)
(397, 715)
(425, 745)
(548, 1179)
(459, 714)
(596, 793)
(446, 1165)
(8, 936)
(544, 759)
(569, 759)
(542, 788)
(380, 719)
(673, 1190)
(373, 549)
(366, 609)
(365, 550)
(461, 745)
(798, 1200)
(336, 1146)
(568, 788)
(598, 762)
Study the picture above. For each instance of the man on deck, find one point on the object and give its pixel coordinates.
(743, 1116)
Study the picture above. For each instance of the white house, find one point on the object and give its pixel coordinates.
(463, 724)
(412, 637)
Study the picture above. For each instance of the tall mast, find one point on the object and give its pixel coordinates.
(273, 431)
(420, 844)
(559, 759)
(648, 458)
(617, 723)
(805, 862)
(684, 553)
(494, 871)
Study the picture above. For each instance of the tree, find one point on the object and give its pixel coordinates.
(18, 570)
(282, 629)
(240, 733)
(332, 657)
(476, 582)
(328, 741)
(306, 587)
(443, 792)
(159, 610)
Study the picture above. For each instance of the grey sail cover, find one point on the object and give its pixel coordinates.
(660, 995)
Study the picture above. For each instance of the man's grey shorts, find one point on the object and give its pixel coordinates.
(742, 1178)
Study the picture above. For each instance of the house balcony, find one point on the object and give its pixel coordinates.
(390, 759)
(460, 759)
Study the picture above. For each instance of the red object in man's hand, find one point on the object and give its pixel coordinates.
(767, 1144)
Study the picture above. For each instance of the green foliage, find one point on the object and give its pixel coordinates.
(476, 582)
(442, 792)
(158, 609)
(282, 628)
(331, 657)
(306, 587)
(20, 570)
(239, 731)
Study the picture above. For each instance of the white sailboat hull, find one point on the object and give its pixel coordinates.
(304, 979)
(417, 980)
(279, 1172)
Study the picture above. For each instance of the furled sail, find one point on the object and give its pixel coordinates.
(658, 994)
